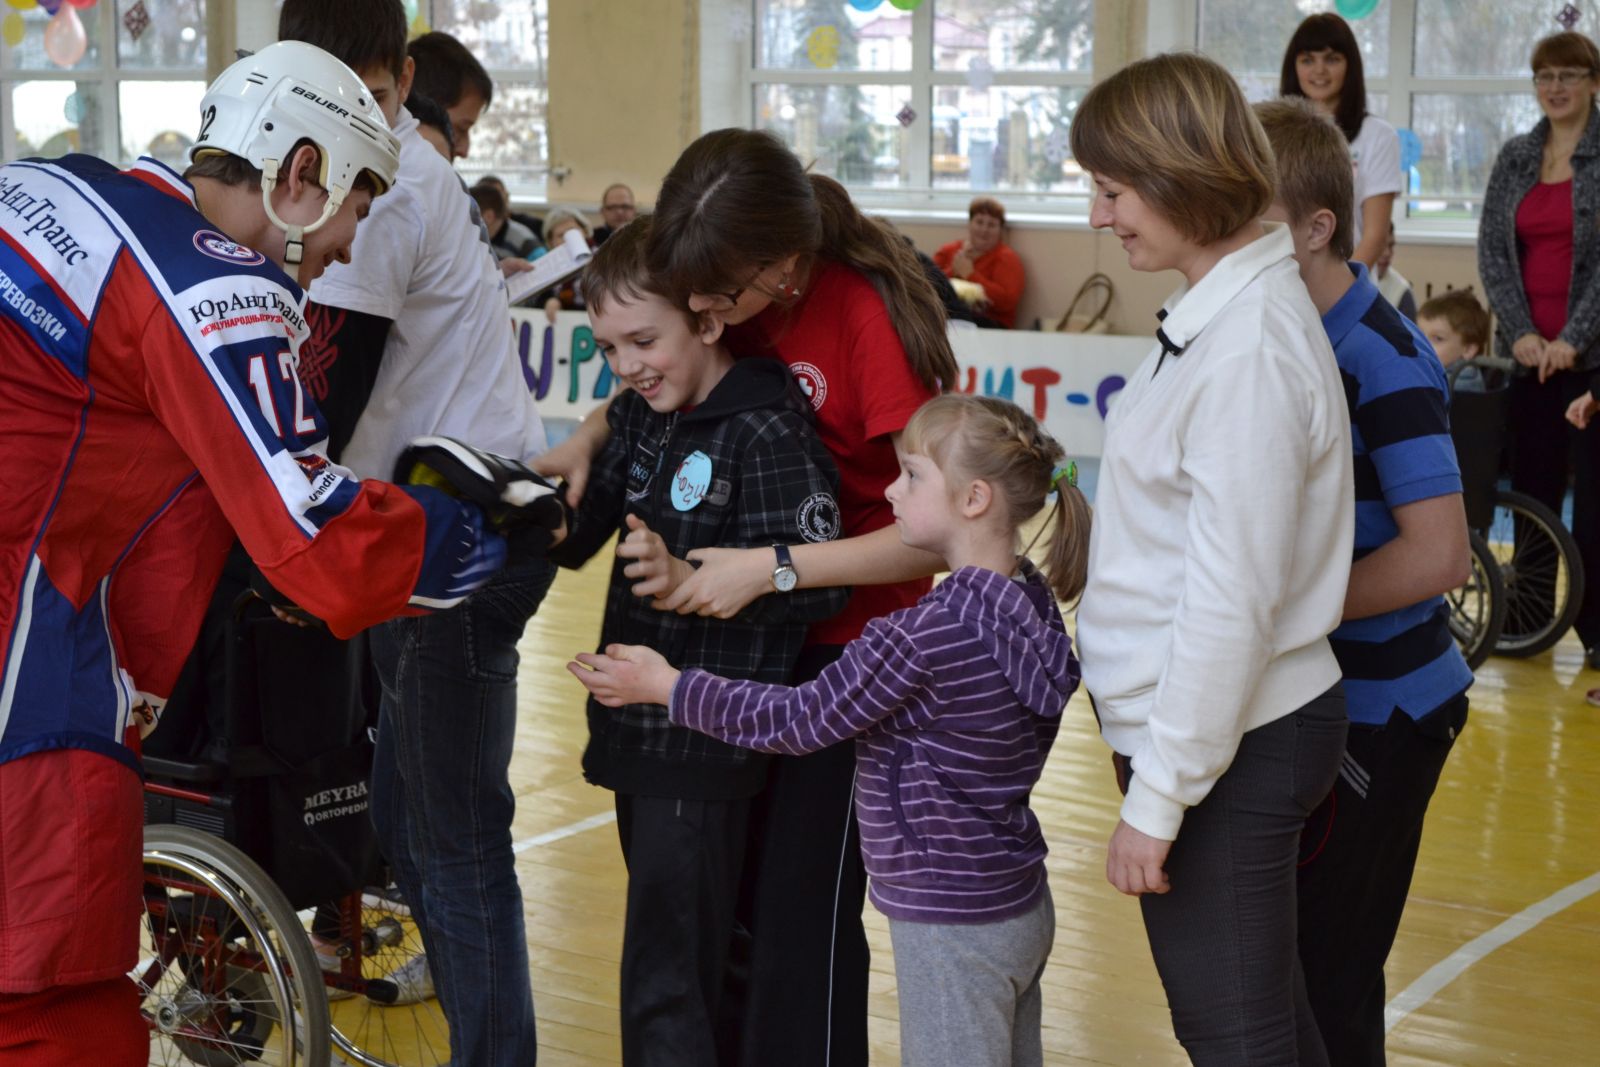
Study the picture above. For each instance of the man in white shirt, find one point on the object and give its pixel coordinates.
(419, 315)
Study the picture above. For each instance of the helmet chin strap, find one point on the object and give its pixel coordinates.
(294, 236)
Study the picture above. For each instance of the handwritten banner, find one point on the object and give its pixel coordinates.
(1067, 381)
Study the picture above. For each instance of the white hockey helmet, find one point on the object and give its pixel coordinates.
(265, 103)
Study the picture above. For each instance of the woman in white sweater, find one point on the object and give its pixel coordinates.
(1218, 561)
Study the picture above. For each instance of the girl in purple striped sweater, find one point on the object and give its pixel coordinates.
(954, 704)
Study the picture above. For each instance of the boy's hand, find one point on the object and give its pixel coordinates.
(1581, 410)
(658, 572)
(625, 674)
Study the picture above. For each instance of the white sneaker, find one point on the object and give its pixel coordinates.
(386, 898)
(413, 981)
(328, 959)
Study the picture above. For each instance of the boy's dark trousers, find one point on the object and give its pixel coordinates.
(683, 858)
(797, 992)
(1357, 857)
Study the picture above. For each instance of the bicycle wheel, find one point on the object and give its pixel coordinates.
(223, 961)
(369, 1032)
(1542, 571)
(1477, 609)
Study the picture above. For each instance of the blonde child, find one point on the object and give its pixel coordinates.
(954, 703)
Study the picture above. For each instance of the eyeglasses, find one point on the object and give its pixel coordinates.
(1569, 77)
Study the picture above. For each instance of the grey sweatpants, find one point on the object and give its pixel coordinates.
(969, 993)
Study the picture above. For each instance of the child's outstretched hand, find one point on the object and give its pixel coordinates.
(657, 572)
(625, 674)
(1581, 410)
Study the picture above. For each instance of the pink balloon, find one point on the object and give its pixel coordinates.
(64, 39)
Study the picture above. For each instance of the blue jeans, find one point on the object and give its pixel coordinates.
(442, 803)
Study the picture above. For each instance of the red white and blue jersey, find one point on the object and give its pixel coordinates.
(150, 408)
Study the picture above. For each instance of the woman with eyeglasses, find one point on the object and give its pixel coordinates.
(786, 262)
(1539, 257)
(1323, 64)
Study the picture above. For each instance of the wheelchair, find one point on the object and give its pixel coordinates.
(266, 936)
(1526, 583)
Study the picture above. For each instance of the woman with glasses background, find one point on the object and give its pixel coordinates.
(1538, 250)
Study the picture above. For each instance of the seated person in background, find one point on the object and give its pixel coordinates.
(617, 208)
(506, 236)
(984, 259)
(1391, 283)
(569, 294)
(1458, 328)
(433, 123)
(532, 223)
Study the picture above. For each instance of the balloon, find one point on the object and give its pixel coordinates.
(859, 5)
(51, 6)
(81, 3)
(20, 5)
(64, 39)
(12, 29)
(906, 5)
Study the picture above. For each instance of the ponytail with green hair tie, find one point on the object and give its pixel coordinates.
(1069, 473)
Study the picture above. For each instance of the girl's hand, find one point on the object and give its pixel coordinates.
(659, 571)
(551, 306)
(1581, 410)
(1528, 349)
(625, 674)
(726, 583)
(1558, 356)
(1135, 861)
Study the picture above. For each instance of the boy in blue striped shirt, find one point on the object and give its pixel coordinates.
(1405, 681)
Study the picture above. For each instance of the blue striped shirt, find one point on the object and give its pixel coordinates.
(1400, 428)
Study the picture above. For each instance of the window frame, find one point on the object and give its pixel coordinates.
(106, 78)
(918, 201)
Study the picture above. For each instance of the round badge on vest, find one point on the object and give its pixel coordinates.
(691, 481)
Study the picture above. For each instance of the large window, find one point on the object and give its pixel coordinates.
(935, 102)
(83, 80)
(1455, 72)
(124, 94)
(509, 37)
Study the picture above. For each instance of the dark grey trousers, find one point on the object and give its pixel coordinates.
(1224, 937)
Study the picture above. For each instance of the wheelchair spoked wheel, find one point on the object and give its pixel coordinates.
(1542, 572)
(376, 1029)
(1477, 609)
(223, 960)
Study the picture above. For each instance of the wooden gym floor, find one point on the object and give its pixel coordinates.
(1497, 961)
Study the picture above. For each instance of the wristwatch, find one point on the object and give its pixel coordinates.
(784, 576)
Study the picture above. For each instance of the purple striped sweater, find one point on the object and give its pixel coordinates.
(954, 704)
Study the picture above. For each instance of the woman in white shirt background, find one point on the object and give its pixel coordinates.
(1323, 64)
(1218, 560)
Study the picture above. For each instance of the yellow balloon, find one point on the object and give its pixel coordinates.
(11, 29)
(20, 5)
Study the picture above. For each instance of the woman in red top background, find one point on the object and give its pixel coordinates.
(1538, 255)
(785, 260)
(984, 258)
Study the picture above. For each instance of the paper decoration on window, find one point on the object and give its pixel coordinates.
(1355, 9)
(822, 47)
(980, 73)
(865, 5)
(906, 115)
(1569, 16)
(137, 20)
(72, 108)
(740, 23)
(1410, 149)
(1058, 146)
(12, 28)
(1257, 89)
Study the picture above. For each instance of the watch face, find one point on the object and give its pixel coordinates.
(784, 579)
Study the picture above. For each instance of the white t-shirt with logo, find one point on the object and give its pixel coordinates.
(450, 365)
(1375, 157)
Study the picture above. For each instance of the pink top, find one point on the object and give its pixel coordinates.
(1544, 245)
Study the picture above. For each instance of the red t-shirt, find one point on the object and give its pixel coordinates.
(840, 344)
(1001, 274)
(1544, 244)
